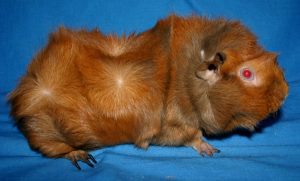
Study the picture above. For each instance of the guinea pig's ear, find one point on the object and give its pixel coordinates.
(220, 57)
(270, 56)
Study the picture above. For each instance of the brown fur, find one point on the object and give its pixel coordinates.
(86, 90)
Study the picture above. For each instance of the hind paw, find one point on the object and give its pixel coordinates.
(80, 155)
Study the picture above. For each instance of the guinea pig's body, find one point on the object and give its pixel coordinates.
(86, 90)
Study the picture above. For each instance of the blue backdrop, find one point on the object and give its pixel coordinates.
(271, 153)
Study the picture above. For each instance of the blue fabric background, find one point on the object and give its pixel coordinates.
(272, 153)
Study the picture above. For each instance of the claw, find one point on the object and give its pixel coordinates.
(75, 163)
(202, 154)
(80, 155)
(88, 163)
(217, 150)
(92, 158)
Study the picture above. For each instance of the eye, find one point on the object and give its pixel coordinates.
(247, 74)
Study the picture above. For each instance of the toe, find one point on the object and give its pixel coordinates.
(80, 155)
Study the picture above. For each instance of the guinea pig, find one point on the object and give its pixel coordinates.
(169, 85)
(221, 80)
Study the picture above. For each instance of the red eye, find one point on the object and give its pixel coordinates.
(247, 73)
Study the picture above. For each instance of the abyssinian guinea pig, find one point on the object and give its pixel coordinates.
(165, 86)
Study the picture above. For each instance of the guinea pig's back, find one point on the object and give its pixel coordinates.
(50, 76)
(91, 90)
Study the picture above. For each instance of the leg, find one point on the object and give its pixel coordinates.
(149, 128)
(201, 146)
(146, 137)
(185, 135)
(58, 149)
(43, 136)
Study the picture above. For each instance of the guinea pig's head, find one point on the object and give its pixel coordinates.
(249, 84)
(248, 92)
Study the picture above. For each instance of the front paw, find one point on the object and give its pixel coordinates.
(203, 148)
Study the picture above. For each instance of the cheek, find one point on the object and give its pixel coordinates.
(255, 105)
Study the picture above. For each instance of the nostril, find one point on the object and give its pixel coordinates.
(212, 67)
